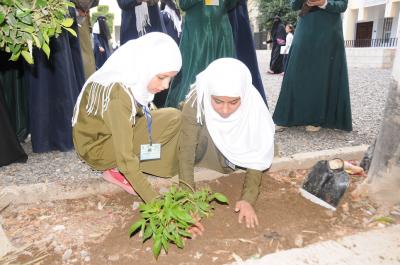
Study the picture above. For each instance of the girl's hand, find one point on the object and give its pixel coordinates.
(197, 229)
(246, 212)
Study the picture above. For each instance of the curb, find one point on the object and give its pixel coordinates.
(33, 193)
(307, 160)
(356, 249)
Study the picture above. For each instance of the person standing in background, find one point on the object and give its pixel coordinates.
(101, 36)
(85, 38)
(172, 19)
(138, 18)
(206, 36)
(278, 40)
(53, 87)
(244, 44)
(285, 49)
(315, 88)
(10, 149)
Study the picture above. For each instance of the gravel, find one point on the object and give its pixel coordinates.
(368, 88)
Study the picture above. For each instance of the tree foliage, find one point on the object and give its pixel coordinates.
(25, 24)
(270, 8)
(103, 10)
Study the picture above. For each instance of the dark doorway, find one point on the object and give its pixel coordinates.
(364, 34)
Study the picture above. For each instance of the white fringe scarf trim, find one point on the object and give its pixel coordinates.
(99, 99)
(142, 18)
(198, 101)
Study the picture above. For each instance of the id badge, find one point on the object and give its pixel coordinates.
(230, 164)
(150, 152)
(211, 2)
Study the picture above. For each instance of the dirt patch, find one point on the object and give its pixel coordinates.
(94, 230)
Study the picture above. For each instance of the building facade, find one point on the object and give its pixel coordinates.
(372, 23)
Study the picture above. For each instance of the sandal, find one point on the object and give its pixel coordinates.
(113, 176)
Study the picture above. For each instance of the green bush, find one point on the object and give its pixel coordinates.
(25, 24)
(270, 8)
(167, 219)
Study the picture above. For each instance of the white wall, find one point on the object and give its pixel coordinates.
(371, 10)
(350, 23)
(375, 14)
(370, 57)
(396, 22)
(396, 64)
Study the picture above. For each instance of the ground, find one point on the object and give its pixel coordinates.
(95, 230)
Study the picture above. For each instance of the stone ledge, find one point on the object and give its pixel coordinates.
(34, 193)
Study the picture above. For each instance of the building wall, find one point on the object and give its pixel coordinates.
(371, 10)
(252, 6)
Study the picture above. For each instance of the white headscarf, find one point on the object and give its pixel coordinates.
(246, 137)
(133, 65)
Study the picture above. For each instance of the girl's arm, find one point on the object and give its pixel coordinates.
(188, 141)
(117, 120)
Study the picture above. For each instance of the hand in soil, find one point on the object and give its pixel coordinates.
(196, 229)
(246, 212)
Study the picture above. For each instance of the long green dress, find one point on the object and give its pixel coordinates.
(206, 36)
(315, 88)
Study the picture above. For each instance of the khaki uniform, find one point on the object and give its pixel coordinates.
(85, 42)
(113, 141)
(196, 147)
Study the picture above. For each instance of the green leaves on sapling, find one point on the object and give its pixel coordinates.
(167, 219)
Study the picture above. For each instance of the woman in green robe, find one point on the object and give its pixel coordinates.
(206, 36)
(315, 88)
(113, 128)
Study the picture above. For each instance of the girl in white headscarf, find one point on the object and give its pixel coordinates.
(109, 126)
(226, 125)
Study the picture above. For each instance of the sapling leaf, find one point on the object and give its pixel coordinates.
(185, 233)
(147, 233)
(220, 198)
(135, 227)
(167, 219)
(157, 246)
(164, 242)
(203, 206)
(184, 216)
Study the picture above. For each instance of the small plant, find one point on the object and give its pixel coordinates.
(167, 219)
(25, 24)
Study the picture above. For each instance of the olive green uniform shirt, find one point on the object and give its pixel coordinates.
(114, 141)
(196, 147)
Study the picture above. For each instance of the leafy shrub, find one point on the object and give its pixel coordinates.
(167, 219)
(25, 24)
